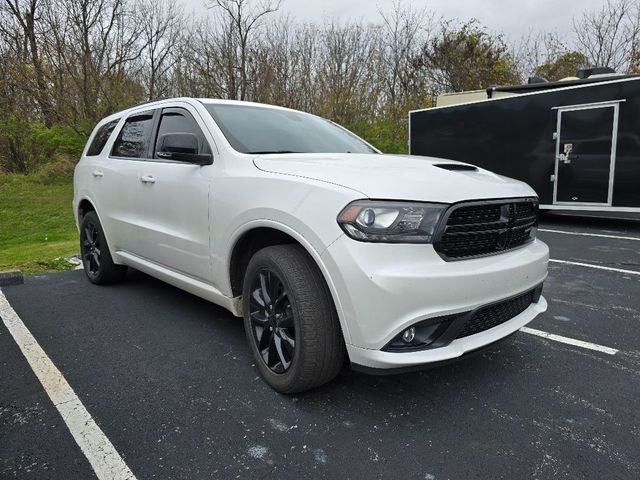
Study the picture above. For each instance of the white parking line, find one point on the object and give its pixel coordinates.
(570, 341)
(584, 234)
(103, 457)
(598, 267)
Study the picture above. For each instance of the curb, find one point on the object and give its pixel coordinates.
(11, 277)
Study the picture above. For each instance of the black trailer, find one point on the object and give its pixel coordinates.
(576, 142)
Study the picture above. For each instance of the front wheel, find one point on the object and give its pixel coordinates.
(290, 320)
(96, 258)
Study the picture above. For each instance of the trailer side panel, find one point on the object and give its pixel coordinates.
(515, 136)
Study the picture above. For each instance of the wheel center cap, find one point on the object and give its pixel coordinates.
(272, 317)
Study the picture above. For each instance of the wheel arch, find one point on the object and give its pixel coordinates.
(261, 234)
(86, 205)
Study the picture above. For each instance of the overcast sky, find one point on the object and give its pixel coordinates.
(511, 17)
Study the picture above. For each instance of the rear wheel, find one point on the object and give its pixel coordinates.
(96, 258)
(290, 320)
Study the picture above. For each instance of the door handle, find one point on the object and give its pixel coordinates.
(97, 173)
(147, 179)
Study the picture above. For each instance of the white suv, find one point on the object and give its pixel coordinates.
(325, 246)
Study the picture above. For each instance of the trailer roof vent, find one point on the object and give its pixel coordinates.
(456, 167)
(533, 80)
(588, 72)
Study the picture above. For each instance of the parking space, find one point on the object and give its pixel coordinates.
(592, 305)
(32, 433)
(169, 380)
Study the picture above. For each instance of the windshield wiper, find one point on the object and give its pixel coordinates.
(271, 151)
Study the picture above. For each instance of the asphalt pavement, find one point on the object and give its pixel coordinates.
(169, 380)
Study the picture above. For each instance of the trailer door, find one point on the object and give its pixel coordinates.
(585, 154)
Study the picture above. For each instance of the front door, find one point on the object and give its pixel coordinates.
(585, 153)
(174, 204)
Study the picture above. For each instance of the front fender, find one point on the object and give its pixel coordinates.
(303, 239)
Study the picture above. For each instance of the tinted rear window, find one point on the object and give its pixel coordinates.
(133, 140)
(101, 137)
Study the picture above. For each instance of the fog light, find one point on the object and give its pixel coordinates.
(420, 336)
(409, 334)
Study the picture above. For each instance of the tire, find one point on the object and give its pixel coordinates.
(94, 251)
(302, 310)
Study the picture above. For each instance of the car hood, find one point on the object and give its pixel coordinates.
(397, 177)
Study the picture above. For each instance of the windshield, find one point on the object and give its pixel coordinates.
(269, 130)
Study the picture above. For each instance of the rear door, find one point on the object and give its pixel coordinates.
(117, 178)
(585, 154)
(174, 203)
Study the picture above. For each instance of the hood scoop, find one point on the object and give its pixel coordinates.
(456, 167)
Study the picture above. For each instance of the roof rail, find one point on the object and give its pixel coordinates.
(151, 101)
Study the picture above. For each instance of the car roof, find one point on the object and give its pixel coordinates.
(141, 107)
(219, 101)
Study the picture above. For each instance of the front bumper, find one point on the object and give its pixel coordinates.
(378, 359)
(382, 289)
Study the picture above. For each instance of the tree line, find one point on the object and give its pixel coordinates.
(65, 64)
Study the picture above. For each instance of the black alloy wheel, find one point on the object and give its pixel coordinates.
(272, 322)
(290, 320)
(91, 245)
(96, 257)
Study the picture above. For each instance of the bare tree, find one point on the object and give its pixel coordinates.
(162, 22)
(206, 67)
(275, 67)
(535, 49)
(95, 45)
(25, 13)
(402, 32)
(346, 72)
(609, 36)
(242, 20)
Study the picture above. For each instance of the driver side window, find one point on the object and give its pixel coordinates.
(179, 120)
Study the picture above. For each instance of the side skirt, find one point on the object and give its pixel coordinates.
(184, 282)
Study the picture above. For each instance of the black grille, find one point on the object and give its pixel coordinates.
(485, 228)
(493, 315)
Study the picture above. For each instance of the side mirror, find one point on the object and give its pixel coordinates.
(182, 147)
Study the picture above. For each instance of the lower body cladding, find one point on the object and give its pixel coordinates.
(403, 306)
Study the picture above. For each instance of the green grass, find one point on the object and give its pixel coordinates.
(37, 230)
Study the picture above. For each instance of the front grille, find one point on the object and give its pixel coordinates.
(493, 315)
(475, 229)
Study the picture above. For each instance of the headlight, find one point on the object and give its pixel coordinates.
(391, 222)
